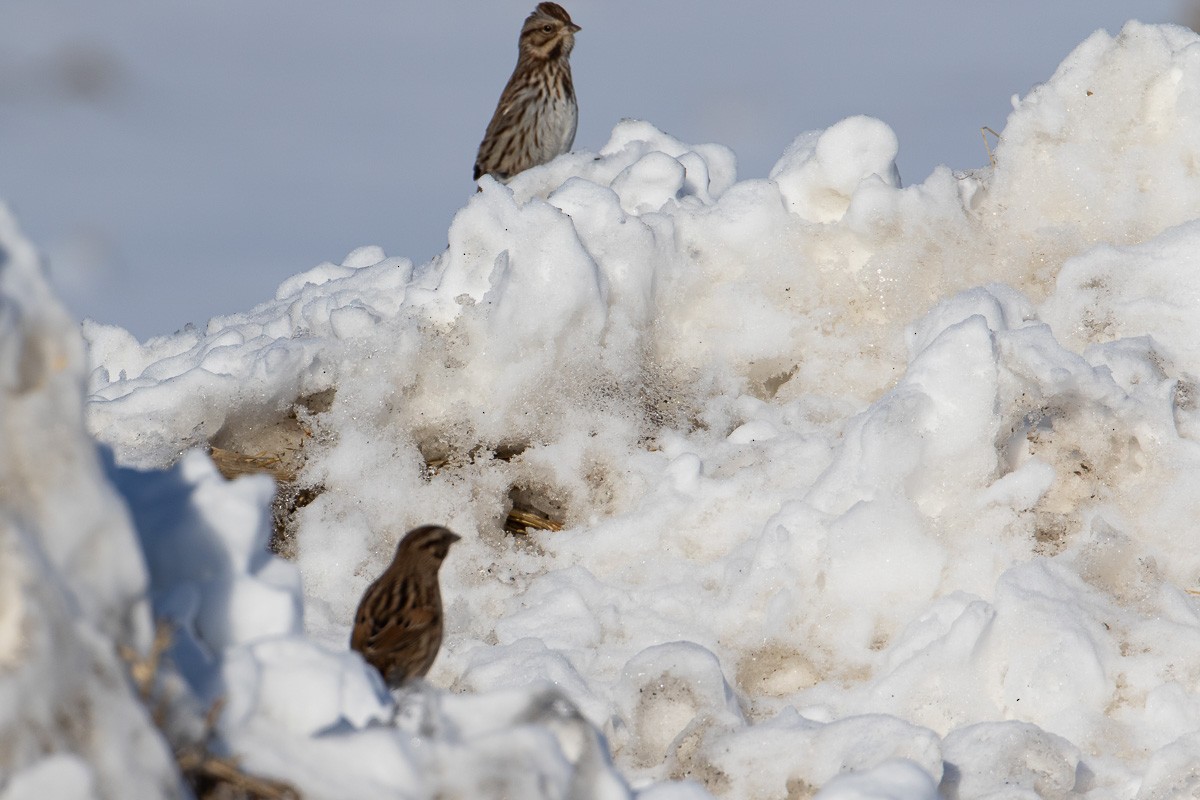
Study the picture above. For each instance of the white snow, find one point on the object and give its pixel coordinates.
(72, 578)
(869, 491)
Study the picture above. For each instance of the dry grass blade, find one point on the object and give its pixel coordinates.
(984, 131)
(519, 519)
(211, 777)
(232, 464)
(275, 448)
(144, 671)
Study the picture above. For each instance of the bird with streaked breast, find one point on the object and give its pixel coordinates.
(398, 625)
(537, 115)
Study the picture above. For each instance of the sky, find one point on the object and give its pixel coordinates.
(177, 161)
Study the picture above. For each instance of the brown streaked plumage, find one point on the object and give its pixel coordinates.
(398, 626)
(536, 117)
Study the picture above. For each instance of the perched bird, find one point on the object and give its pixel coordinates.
(398, 626)
(536, 117)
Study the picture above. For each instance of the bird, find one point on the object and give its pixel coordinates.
(398, 625)
(536, 117)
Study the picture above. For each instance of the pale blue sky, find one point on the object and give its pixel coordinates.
(177, 161)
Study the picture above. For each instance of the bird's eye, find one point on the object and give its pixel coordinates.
(547, 28)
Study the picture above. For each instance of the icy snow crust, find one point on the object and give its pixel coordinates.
(869, 491)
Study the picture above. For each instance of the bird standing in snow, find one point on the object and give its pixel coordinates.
(398, 626)
(536, 117)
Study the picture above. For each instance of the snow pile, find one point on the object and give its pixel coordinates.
(868, 491)
(72, 579)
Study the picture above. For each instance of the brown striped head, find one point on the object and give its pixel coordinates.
(427, 545)
(548, 33)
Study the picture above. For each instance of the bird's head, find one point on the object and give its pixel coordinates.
(548, 33)
(426, 544)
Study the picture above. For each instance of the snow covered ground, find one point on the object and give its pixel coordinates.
(868, 491)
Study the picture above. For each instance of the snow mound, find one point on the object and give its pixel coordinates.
(72, 579)
(866, 491)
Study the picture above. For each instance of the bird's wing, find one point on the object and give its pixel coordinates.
(517, 99)
(396, 632)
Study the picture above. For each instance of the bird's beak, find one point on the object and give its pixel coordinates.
(574, 28)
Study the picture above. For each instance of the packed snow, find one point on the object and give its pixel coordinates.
(867, 490)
